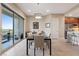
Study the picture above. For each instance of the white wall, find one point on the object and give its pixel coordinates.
(62, 27)
(56, 25)
(18, 50)
(73, 12)
(41, 25)
(26, 24)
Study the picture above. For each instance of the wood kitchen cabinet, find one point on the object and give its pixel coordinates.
(71, 20)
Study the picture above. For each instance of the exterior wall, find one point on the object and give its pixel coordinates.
(56, 25)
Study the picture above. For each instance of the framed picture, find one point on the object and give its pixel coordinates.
(47, 25)
(35, 25)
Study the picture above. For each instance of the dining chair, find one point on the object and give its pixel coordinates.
(38, 43)
(47, 42)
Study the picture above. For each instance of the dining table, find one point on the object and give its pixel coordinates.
(46, 39)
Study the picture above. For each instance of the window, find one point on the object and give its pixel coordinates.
(7, 28)
(12, 28)
(18, 28)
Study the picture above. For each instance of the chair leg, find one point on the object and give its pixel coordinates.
(34, 52)
(43, 51)
(29, 44)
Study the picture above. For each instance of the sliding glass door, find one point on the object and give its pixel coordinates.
(18, 28)
(12, 28)
(21, 28)
(7, 28)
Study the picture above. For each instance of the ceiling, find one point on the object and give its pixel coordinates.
(45, 8)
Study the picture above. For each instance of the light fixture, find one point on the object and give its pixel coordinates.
(48, 10)
(70, 15)
(37, 3)
(38, 16)
(29, 10)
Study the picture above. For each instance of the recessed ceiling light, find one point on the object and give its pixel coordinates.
(47, 10)
(70, 15)
(29, 10)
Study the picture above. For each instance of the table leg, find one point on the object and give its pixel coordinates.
(50, 47)
(27, 47)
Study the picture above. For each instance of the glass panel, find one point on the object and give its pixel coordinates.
(7, 28)
(12, 28)
(21, 27)
(18, 28)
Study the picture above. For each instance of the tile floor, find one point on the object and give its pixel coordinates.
(39, 52)
(59, 48)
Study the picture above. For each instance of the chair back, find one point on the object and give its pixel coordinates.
(39, 41)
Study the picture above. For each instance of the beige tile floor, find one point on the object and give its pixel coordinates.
(39, 52)
(61, 48)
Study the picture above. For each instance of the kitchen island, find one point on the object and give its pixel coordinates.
(73, 37)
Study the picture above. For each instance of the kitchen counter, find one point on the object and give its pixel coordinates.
(73, 37)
